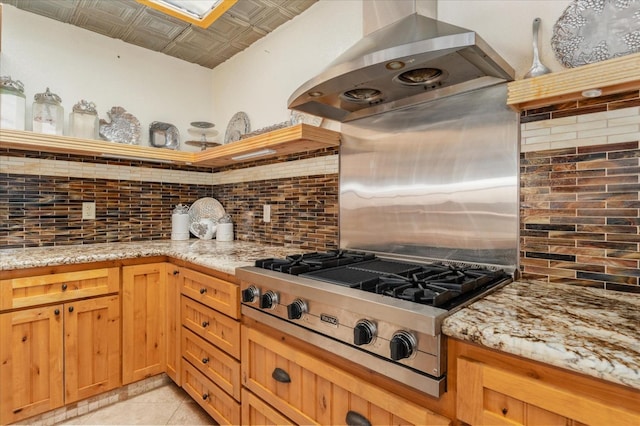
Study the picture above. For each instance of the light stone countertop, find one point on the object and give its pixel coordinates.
(591, 331)
(218, 255)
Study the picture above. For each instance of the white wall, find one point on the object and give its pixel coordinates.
(79, 64)
(260, 79)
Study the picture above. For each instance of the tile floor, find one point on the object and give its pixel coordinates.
(166, 405)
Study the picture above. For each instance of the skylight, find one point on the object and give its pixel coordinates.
(199, 12)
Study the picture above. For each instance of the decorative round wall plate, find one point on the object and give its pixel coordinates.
(238, 126)
(595, 30)
(205, 208)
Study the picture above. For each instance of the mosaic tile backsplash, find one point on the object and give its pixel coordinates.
(580, 215)
(134, 201)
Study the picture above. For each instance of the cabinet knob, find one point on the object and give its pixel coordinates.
(203, 290)
(205, 323)
(356, 419)
(70, 308)
(281, 376)
(205, 360)
(205, 396)
(64, 287)
(57, 312)
(176, 272)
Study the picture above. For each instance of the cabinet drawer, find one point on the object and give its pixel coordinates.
(53, 288)
(219, 405)
(219, 367)
(310, 391)
(222, 331)
(257, 412)
(218, 294)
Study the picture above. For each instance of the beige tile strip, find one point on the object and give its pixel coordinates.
(45, 167)
(622, 125)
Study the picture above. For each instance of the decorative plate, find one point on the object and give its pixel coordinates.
(123, 128)
(238, 126)
(205, 208)
(595, 30)
(298, 117)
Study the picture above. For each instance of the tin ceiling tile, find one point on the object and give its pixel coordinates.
(242, 25)
(111, 18)
(154, 30)
(60, 10)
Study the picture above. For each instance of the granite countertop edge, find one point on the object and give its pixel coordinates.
(586, 330)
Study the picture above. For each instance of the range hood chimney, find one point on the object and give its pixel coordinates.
(414, 59)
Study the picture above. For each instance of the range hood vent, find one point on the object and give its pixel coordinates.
(413, 60)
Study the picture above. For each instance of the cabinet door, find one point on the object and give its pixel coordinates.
(222, 331)
(257, 412)
(57, 288)
(218, 294)
(224, 409)
(487, 395)
(174, 280)
(310, 391)
(92, 347)
(31, 362)
(143, 321)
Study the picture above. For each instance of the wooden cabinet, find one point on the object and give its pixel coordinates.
(257, 412)
(59, 353)
(309, 390)
(499, 389)
(173, 324)
(144, 298)
(210, 343)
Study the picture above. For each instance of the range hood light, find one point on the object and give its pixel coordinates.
(362, 95)
(394, 65)
(315, 94)
(592, 93)
(253, 154)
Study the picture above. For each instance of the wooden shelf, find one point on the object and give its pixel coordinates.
(298, 138)
(611, 76)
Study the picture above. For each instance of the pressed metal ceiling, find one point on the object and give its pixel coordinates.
(243, 24)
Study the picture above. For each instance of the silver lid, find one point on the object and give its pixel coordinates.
(7, 82)
(85, 107)
(47, 98)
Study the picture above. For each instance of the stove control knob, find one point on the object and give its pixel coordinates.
(269, 300)
(296, 309)
(364, 332)
(250, 294)
(402, 345)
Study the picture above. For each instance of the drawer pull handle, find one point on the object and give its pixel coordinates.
(205, 396)
(203, 290)
(205, 360)
(64, 287)
(281, 376)
(70, 308)
(176, 272)
(57, 312)
(356, 419)
(205, 323)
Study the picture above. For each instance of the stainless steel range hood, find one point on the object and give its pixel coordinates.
(413, 60)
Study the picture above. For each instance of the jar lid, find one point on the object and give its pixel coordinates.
(85, 107)
(6, 81)
(47, 97)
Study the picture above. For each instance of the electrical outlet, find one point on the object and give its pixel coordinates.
(266, 213)
(89, 210)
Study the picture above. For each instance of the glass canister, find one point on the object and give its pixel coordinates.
(83, 120)
(12, 104)
(48, 114)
